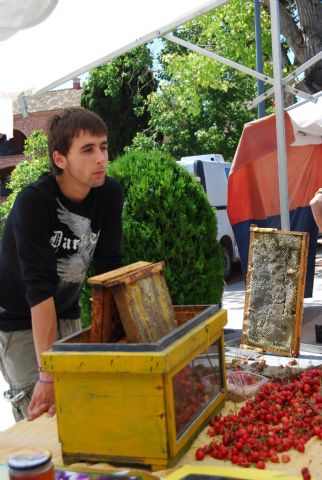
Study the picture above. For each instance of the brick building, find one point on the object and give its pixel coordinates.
(40, 108)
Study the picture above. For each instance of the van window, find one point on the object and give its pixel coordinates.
(216, 183)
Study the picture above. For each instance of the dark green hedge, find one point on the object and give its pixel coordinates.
(167, 217)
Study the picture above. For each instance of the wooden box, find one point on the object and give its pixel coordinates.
(275, 290)
(133, 300)
(139, 404)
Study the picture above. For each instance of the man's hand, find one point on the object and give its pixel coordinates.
(44, 328)
(42, 401)
(316, 207)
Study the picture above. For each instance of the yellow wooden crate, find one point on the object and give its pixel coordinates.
(139, 403)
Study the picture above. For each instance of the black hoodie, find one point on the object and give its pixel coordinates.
(48, 243)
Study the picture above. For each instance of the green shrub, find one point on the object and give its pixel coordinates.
(167, 217)
(26, 171)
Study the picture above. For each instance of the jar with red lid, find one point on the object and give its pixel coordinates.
(31, 465)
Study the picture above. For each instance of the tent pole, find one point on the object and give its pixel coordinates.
(259, 56)
(279, 105)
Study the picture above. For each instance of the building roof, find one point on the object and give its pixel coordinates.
(51, 100)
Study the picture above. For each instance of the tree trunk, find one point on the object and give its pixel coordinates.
(301, 25)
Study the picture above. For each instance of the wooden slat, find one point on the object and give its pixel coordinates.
(102, 328)
(300, 291)
(140, 274)
(97, 314)
(119, 275)
(126, 314)
(82, 337)
(107, 324)
(183, 313)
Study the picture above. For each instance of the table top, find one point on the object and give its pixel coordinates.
(42, 433)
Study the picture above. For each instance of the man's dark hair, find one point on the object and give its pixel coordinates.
(63, 128)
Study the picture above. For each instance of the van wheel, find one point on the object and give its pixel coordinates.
(228, 262)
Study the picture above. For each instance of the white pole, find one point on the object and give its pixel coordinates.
(279, 104)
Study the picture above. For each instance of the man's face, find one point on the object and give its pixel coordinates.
(85, 164)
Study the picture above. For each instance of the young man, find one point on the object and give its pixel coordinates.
(55, 227)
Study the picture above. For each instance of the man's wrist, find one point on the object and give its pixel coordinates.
(44, 377)
(318, 191)
(40, 380)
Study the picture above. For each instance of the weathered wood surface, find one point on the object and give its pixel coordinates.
(142, 301)
(128, 274)
(106, 325)
(99, 310)
(84, 336)
(42, 433)
(145, 308)
(183, 313)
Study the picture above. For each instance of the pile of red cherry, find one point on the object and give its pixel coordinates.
(284, 415)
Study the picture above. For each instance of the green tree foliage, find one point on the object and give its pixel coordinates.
(200, 106)
(27, 171)
(209, 121)
(117, 91)
(167, 217)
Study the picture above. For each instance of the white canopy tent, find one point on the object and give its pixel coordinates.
(15, 16)
(78, 35)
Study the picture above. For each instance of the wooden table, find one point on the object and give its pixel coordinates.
(42, 433)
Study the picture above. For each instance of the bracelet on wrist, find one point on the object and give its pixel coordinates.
(44, 381)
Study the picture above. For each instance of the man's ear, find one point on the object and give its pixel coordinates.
(59, 159)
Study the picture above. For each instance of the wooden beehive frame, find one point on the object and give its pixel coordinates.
(274, 311)
(135, 295)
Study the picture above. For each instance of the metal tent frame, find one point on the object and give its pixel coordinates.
(277, 82)
(279, 85)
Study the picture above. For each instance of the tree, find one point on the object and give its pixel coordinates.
(117, 91)
(210, 121)
(167, 217)
(301, 26)
(27, 171)
(200, 106)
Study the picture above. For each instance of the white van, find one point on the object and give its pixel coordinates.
(212, 171)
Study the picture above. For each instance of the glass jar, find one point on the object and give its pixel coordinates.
(35, 465)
